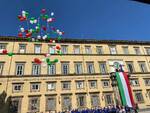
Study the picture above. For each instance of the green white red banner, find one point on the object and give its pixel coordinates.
(125, 89)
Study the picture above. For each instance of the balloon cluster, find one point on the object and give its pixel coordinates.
(5, 52)
(38, 29)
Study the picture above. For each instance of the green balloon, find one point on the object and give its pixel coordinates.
(55, 61)
(47, 60)
(59, 38)
(49, 63)
(10, 54)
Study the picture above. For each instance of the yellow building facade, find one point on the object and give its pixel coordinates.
(81, 78)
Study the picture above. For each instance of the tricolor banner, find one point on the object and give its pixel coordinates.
(125, 89)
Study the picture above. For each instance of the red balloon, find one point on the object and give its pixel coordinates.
(44, 28)
(28, 34)
(4, 51)
(58, 47)
(26, 31)
(38, 61)
(43, 11)
(19, 16)
(20, 35)
(51, 41)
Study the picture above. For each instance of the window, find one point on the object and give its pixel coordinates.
(93, 84)
(34, 104)
(37, 48)
(112, 49)
(130, 67)
(22, 48)
(76, 49)
(103, 68)
(2, 47)
(65, 68)
(81, 99)
(36, 69)
(80, 84)
(78, 68)
(143, 66)
(35, 87)
(19, 69)
(66, 102)
(147, 82)
(17, 88)
(1, 68)
(88, 50)
(95, 100)
(148, 51)
(99, 50)
(135, 82)
(52, 49)
(52, 69)
(15, 104)
(50, 103)
(64, 49)
(108, 99)
(66, 85)
(125, 50)
(139, 97)
(106, 83)
(51, 86)
(137, 50)
(90, 68)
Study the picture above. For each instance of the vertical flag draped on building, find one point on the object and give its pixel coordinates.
(125, 89)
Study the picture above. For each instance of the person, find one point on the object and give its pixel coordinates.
(136, 108)
(113, 109)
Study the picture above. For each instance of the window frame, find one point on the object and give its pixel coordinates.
(93, 70)
(74, 47)
(62, 68)
(35, 48)
(33, 64)
(23, 68)
(35, 90)
(20, 48)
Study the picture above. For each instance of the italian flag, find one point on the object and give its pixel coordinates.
(125, 89)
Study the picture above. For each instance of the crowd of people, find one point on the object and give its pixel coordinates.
(108, 109)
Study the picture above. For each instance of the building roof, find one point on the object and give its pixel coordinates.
(84, 41)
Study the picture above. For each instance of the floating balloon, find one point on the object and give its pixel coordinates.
(38, 61)
(43, 11)
(22, 29)
(20, 35)
(40, 30)
(4, 51)
(52, 13)
(10, 54)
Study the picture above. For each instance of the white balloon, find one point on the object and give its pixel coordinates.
(22, 29)
(43, 60)
(31, 21)
(24, 15)
(23, 12)
(53, 41)
(39, 37)
(33, 39)
(52, 13)
(35, 21)
(60, 33)
(57, 30)
(30, 30)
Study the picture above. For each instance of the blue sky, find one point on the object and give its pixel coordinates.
(94, 19)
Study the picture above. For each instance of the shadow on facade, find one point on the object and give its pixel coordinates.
(5, 104)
